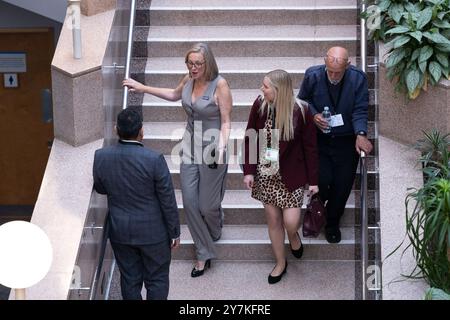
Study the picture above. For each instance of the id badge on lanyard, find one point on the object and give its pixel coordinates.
(271, 154)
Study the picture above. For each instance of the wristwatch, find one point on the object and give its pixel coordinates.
(361, 133)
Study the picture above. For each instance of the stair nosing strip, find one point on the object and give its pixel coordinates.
(223, 71)
(306, 241)
(291, 39)
(248, 8)
(171, 105)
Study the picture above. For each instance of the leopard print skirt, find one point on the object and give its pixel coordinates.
(269, 189)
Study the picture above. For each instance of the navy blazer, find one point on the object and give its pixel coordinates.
(353, 102)
(299, 160)
(141, 198)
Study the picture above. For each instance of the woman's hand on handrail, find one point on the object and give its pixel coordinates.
(133, 85)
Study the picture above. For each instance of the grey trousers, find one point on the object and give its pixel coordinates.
(203, 189)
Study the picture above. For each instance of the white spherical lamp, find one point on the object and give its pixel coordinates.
(25, 255)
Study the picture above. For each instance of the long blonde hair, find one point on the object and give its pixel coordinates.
(284, 101)
(211, 69)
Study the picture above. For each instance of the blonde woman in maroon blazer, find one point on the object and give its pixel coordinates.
(281, 162)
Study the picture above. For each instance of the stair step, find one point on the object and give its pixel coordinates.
(252, 33)
(235, 174)
(166, 136)
(241, 209)
(156, 109)
(254, 41)
(240, 72)
(254, 4)
(249, 12)
(245, 280)
(253, 243)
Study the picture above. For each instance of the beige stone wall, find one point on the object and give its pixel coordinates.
(403, 120)
(91, 7)
(79, 116)
(77, 83)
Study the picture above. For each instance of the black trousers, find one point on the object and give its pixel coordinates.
(338, 161)
(148, 264)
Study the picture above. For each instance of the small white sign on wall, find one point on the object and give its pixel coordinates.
(10, 80)
(13, 62)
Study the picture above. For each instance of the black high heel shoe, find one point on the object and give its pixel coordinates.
(299, 252)
(197, 273)
(274, 279)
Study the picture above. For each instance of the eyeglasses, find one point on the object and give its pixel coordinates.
(197, 64)
(338, 60)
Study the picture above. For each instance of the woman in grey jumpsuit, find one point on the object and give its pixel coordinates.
(206, 98)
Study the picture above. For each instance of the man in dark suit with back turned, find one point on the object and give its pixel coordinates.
(343, 88)
(143, 214)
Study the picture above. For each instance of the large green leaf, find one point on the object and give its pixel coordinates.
(399, 29)
(398, 41)
(401, 41)
(441, 15)
(415, 54)
(446, 33)
(384, 4)
(425, 17)
(425, 53)
(410, 7)
(435, 70)
(412, 18)
(396, 12)
(417, 35)
(436, 37)
(434, 1)
(395, 57)
(446, 72)
(423, 66)
(443, 24)
(412, 80)
(443, 59)
(443, 47)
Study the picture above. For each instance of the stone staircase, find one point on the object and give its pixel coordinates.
(249, 38)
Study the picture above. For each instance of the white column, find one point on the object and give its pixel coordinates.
(74, 13)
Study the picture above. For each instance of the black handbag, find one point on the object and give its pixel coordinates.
(315, 217)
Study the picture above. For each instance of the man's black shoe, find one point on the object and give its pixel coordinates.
(333, 235)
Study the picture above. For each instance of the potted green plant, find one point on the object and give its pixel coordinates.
(428, 214)
(417, 38)
(434, 151)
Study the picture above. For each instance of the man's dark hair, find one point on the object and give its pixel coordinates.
(129, 122)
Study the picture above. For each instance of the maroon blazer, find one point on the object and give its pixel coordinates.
(299, 160)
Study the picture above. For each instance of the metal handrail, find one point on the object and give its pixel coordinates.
(363, 43)
(364, 224)
(363, 172)
(124, 106)
(129, 49)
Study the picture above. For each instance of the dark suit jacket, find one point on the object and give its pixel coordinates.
(353, 102)
(141, 199)
(299, 163)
